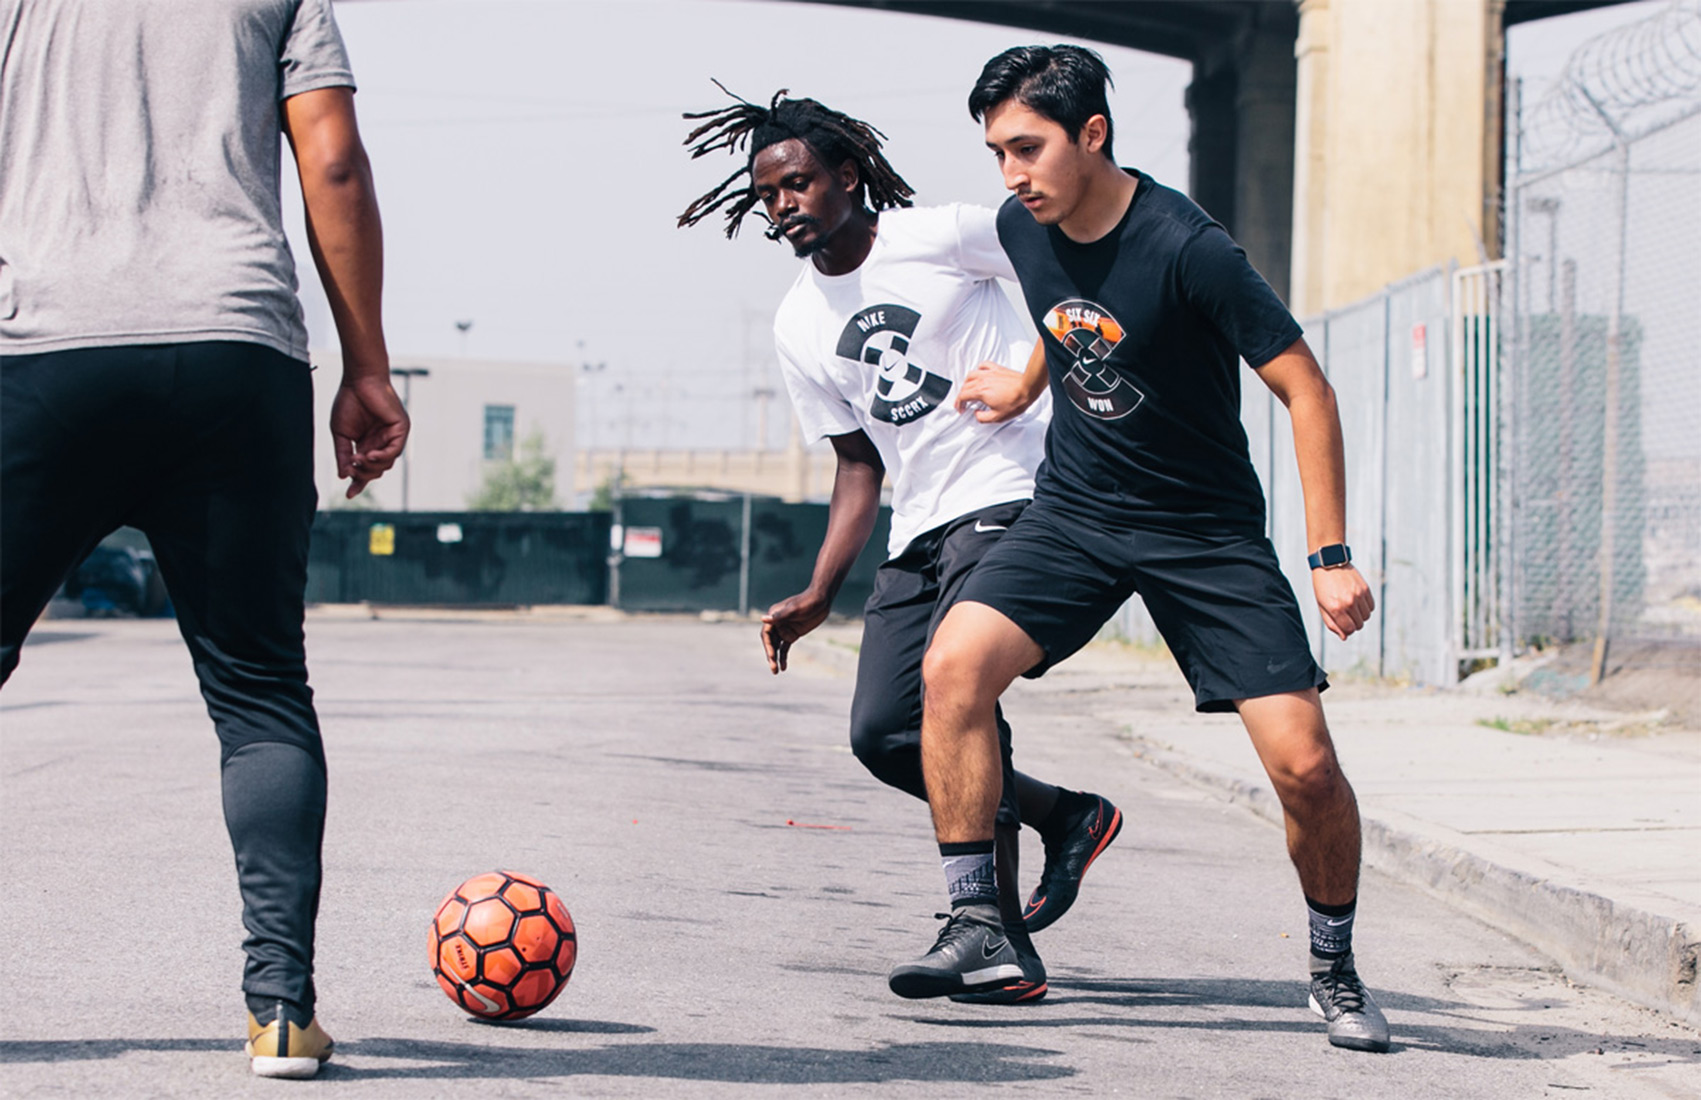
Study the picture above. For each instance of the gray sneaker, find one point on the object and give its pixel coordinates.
(1341, 999)
(971, 954)
(1027, 989)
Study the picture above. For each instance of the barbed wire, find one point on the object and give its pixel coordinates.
(1618, 85)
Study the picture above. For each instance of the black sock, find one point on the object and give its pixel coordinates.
(1068, 806)
(970, 878)
(1017, 933)
(1331, 928)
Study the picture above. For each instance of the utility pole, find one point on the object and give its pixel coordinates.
(407, 375)
(587, 385)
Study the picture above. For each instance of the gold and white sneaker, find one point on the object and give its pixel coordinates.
(282, 1048)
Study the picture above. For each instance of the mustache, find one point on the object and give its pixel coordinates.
(779, 229)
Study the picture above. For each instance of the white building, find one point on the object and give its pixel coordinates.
(468, 414)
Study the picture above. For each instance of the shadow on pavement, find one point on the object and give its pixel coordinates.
(576, 1027)
(1478, 1033)
(729, 1062)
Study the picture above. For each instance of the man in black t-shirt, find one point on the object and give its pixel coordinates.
(1145, 307)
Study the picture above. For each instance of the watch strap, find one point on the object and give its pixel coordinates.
(1328, 557)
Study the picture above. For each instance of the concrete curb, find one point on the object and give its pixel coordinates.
(1644, 958)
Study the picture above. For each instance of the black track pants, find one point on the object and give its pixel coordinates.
(208, 449)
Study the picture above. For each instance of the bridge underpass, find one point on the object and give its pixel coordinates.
(1344, 143)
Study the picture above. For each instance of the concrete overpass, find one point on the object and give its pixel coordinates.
(1344, 143)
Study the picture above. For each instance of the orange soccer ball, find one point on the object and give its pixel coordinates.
(502, 945)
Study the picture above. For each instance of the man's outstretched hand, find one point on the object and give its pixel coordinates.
(1001, 393)
(369, 428)
(789, 620)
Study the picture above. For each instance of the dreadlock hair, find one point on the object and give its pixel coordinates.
(832, 136)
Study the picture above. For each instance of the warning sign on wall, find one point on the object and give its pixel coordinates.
(642, 542)
(381, 540)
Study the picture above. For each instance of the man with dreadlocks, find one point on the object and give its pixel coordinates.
(894, 310)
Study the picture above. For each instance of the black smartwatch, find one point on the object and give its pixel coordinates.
(1328, 557)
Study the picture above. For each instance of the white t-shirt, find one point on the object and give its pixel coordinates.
(883, 349)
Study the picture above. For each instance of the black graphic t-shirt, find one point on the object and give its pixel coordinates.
(1144, 330)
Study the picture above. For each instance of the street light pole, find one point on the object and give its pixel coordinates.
(587, 386)
(407, 375)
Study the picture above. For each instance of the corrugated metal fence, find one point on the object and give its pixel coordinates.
(1393, 360)
(707, 552)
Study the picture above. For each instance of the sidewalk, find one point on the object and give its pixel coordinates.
(1576, 830)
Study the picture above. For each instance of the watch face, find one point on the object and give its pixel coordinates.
(1328, 557)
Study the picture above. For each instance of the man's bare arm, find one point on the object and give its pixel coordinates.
(1002, 393)
(850, 520)
(368, 423)
(1298, 382)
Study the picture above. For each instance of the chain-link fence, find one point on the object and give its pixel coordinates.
(1388, 359)
(1602, 409)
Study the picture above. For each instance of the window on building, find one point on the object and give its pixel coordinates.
(499, 432)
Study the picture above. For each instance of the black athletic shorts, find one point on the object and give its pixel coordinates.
(912, 593)
(1221, 602)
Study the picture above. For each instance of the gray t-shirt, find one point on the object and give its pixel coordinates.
(139, 169)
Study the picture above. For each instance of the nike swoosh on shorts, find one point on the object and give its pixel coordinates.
(979, 526)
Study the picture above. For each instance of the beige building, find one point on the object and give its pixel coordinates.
(795, 474)
(468, 414)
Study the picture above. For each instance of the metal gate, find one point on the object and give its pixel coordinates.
(1479, 529)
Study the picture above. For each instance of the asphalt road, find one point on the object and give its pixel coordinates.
(650, 769)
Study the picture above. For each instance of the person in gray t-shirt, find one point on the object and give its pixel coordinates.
(153, 373)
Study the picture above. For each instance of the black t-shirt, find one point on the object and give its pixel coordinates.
(1143, 330)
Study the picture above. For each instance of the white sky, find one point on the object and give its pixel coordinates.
(529, 168)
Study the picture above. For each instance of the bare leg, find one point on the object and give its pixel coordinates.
(976, 653)
(1292, 741)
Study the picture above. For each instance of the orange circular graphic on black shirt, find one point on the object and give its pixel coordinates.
(1089, 335)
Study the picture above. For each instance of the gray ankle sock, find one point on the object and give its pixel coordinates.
(1331, 928)
(969, 875)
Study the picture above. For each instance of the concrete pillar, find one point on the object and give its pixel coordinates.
(1212, 145)
(1311, 129)
(1397, 142)
(1241, 105)
(1264, 144)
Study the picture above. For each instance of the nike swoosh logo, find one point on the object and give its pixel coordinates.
(991, 950)
(1336, 923)
(1272, 668)
(983, 527)
(489, 1005)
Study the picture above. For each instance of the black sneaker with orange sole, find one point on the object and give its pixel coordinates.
(1069, 851)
